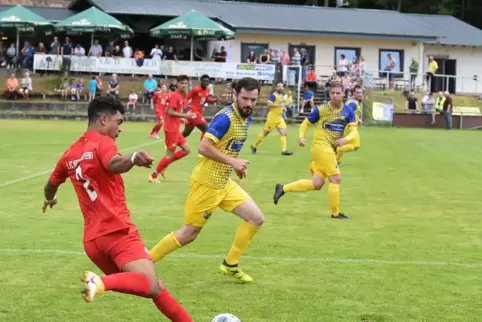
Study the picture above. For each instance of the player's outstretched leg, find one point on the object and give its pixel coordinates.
(170, 157)
(138, 277)
(261, 136)
(254, 219)
(304, 185)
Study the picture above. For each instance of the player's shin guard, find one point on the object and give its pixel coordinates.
(299, 186)
(260, 139)
(166, 246)
(170, 307)
(128, 283)
(282, 138)
(334, 198)
(243, 236)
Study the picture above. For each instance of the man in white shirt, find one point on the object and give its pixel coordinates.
(96, 49)
(127, 51)
(156, 53)
(428, 103)
(79, 50)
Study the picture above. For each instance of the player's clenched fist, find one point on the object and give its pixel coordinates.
(143, 159)
(240, 167)
(302, 142)
(49, 203)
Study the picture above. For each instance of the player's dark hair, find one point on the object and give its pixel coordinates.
(104, 105)
(356, 87)
(205, 76)
(182, 78)
(249, 84)
(336, 84)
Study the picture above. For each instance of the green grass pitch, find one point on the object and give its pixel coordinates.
(410, 253)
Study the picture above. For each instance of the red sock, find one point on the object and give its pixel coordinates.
(156, 128)
(128, 282)
(170, 307)
(179, 155)
(163, 164)
(202, 135)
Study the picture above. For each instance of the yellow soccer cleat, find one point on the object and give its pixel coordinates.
(93, 286)
(163, 174)
(151, 179)
(235, 272)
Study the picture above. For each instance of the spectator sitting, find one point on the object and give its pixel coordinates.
(139, 57)
(308, 99)
(428, 103)
(73, 89)
(80, 88)
(412, 103)
(26, 86)
(114, 86)
(132, 102)
(288, 99)
(65, 87)
(11, 91)
(92, 88)
(311, 79)
(150, 86)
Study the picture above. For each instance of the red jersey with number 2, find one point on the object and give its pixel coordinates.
(100, 192)
(176, 102)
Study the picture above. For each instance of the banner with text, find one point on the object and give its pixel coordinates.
(156, 67)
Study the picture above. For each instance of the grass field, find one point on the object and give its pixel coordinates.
(410, 253)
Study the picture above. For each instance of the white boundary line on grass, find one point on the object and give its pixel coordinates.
(279, 259)
(8, 183)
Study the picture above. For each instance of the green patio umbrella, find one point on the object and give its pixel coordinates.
(193, 25)
(93, 21)
(22, 19)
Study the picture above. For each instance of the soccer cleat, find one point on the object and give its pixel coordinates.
(235, 272)
(339, 216)
(151, 179)
(253, 149)
(151, 135)
(286, 153)
(93, 286)
(163, 174)
(156, 136)
(278, 193)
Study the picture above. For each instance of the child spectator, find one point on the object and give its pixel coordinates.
(26, 86)
(132, 102)
(92, 88)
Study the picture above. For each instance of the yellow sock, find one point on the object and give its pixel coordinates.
(166, 246)
(283, 143)
(334, 198)
(243, 236)
(346, 148)
(260, 139)
(299, 186)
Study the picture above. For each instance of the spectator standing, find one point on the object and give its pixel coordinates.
(296, 61)
(412, 103)
(55, 47)
(448, 107)
(156, 53)
(66, 53)
(413, 73)
(305, 61)
(41, 49)
(221, 56)
(432, 70)
(342, 67)
(275, 58)
(79, 51)
(117, 52)
(264, 58)
(109, 49)
(389, 68)
(127, 51)
(96, 49)
(170, 54)
(285, 58)
(27, 55)
(439, 105)
(92, 88)
(428, 103)
(251, 59)
(311, 79)
(11, 56)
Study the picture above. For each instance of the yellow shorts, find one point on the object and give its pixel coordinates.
(203, 200)
(324, 164)
(272, 124)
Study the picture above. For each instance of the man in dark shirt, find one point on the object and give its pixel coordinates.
(412, 103)
(66, 53)
(109, 50)
(221, 56)
(448, 106)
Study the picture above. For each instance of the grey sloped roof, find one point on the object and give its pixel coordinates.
(50, 13)
(455, 31)
(248, 15)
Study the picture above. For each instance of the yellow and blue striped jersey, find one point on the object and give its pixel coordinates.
(355, 106)
(330, 124)
(228, 130)
(276, 111)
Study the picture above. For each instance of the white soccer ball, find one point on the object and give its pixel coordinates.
(225, 317)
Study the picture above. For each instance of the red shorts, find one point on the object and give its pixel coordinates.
(160, 113)
(111, 252)
(173, 140)
(196, 121)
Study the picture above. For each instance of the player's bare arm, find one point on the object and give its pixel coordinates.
(207, 149)
(50, 192)
(123, 163)
(172, 113)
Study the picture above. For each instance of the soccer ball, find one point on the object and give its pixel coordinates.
(225, 317)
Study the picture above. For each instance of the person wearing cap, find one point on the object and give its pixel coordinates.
(439, 104)
(447, 108)
(428, 103)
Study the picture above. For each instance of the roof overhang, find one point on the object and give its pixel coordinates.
(334, 34)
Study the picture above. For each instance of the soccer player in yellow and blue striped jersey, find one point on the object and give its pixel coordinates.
(355, 105)
(330, 121)
(211, 186)
(275, 120)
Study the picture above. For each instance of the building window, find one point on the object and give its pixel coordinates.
(246, 48)
(349, 52)
(384, 62)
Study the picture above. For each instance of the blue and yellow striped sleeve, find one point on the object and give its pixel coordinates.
(218, 127)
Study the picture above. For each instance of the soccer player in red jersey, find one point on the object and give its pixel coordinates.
(111, 240)
(162, 100)
(199, 96)
(173, 137)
